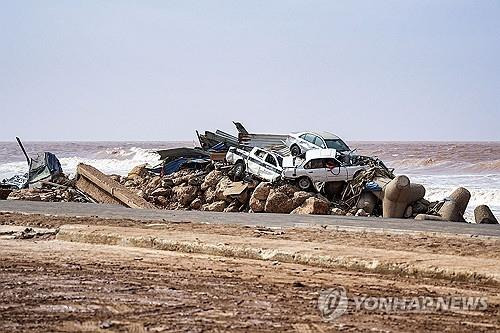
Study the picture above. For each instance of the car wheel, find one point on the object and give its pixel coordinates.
(304, 183)
(295, 150)
(239, 171)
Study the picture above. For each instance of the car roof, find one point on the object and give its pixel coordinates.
(323, 134)
(320, 153)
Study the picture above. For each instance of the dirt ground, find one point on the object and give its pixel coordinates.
(480, 247)
(56, 286)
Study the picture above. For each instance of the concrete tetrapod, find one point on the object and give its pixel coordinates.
(455, 205)
(398, 194)
(483, 215)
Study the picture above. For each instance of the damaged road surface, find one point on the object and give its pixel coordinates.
(95, 283)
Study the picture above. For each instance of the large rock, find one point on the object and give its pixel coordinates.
(278, 202)
(217, 206)
(257, 205)
(313, 206)
(212, 179)
(166, 192)
(222, 185)
(138, 171)
(483, 215)
(262, 190)
(233, 207)
(300, 197)
(196, 204)
(185, 194)
(209, 195)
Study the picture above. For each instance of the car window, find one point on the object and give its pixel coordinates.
(330, 163)
(280, 160)
(260, 153)
(270, 159)
(319, 142)
(309, 138)
(303, 136)
(337, 144)
(314, 164)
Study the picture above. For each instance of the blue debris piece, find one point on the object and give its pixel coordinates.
(177, 164)
(372, 186)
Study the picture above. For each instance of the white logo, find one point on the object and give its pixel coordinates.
(332, 303)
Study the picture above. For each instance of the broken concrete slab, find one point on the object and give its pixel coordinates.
(105, 184)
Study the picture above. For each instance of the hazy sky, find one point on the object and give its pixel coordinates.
(158, 70)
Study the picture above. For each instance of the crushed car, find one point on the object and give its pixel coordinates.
(301, 142)
(318, 166)
(258, 162)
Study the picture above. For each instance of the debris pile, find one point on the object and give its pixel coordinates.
(252, 173)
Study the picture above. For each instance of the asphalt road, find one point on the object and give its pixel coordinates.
(261, 219)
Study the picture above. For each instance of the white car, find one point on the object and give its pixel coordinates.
(319, 165)
(258, 162)
(299, 143)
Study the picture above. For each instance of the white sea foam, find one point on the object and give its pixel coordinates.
(484, 189)
(110, 161)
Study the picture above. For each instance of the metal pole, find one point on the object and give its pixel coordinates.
(22, 148)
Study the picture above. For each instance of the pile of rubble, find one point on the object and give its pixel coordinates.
(215, 191)
(207, 179)
(60, 189)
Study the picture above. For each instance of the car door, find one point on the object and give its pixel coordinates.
(269, 170)
(308, 142)
(255, 159)
(315, 170)
(335, 171)
(319, 142)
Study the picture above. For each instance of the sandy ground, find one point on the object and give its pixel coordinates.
(52, 285)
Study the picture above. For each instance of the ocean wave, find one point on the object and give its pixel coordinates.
(440, 165)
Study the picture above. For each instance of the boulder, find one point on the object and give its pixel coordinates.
(138, 171)
(185, 194)
(257, 205)
(299, 198)
(166, 192)
(483, 215)
(161, 201)
(212, 179)
(196, 204)
(313, 206)
(288, 189)
(278, 202)
(262, 190)
(233, 206)
(209, 195)
(217, 206)
(222, 185)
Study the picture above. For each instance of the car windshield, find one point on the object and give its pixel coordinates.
(337, 144)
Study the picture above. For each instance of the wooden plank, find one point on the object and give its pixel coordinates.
(112, 187)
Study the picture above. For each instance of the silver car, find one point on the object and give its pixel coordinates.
(299, 143)
(318, 166)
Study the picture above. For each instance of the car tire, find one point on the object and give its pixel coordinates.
(295, 150)
(304, 183)
(239, 171)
